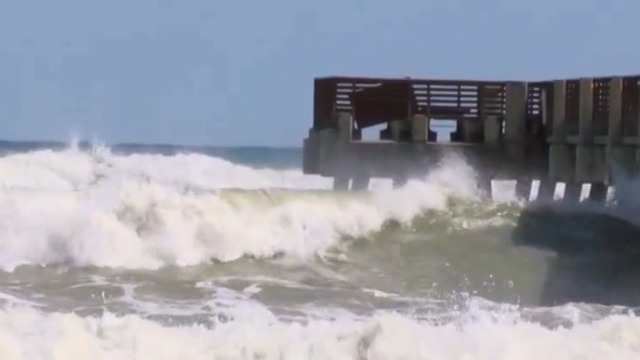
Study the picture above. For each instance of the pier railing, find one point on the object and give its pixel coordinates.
(373, 101)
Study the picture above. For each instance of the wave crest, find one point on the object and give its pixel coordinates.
(94, 208)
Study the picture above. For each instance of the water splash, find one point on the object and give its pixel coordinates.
(92, 207)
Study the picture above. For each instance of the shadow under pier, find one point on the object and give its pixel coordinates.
(596, 256)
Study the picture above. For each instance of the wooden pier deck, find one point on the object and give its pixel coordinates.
(574, 131)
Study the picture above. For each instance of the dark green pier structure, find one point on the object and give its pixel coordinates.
(571, 131)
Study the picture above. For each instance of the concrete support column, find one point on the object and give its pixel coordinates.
(515, 117)
(491, 130)
(400, 180)
(471, 130)
(401, 166)
(515, 134)
(636, 166)
(311, 153)
(341, 154)
(621, 161)
(561, 155)
(561, 159)
(360, 169)
(360, 181)
(345, 127)
(621, 158)
(636, 163)
(638, 114)
(572, 192)
(615, 111)
(546, 190)
(523, 188)
(419, 139)
(589, 157)
(598, 192)
(397, 128)
(419, 128)
(585, 111)
(547, 184)
(491, 134)
(341, 182)
(400, 175)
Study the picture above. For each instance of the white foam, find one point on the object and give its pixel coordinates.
(26, 334)
(97, 208)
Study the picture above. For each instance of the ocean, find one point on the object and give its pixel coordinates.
(166, 252)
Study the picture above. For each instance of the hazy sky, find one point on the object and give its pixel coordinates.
(240, 72)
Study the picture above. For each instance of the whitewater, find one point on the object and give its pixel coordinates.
(147, 252)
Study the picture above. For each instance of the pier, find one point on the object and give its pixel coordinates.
(580, 132)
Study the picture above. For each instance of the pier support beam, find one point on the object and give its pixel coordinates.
(523, 188)
(341, 156)
(311, 154)
(590, 157)
(491, 135)
(572, 192)
(561, 155)
(515, 135)
(621, 161)
(515, 118)
(546, 190)
(398, 129)
(636, 167)
(598, 192)
(471, 130)
(341, 182)
(561, 162)
(400, 181)
(360, 182)
(349, 171)
(419, 125)
(400, 171)
(621, 158)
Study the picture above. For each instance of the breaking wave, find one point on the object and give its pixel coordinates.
(95, 208)
(28, 334)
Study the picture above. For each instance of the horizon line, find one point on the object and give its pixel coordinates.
(150, 144)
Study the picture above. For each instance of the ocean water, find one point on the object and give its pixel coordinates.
(160, 252)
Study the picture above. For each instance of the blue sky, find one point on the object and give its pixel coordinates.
(240, 72)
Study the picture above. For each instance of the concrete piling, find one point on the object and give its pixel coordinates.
(561, 154)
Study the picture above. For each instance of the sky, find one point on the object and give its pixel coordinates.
(228, 73)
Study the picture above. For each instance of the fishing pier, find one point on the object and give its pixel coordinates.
(580, 131)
